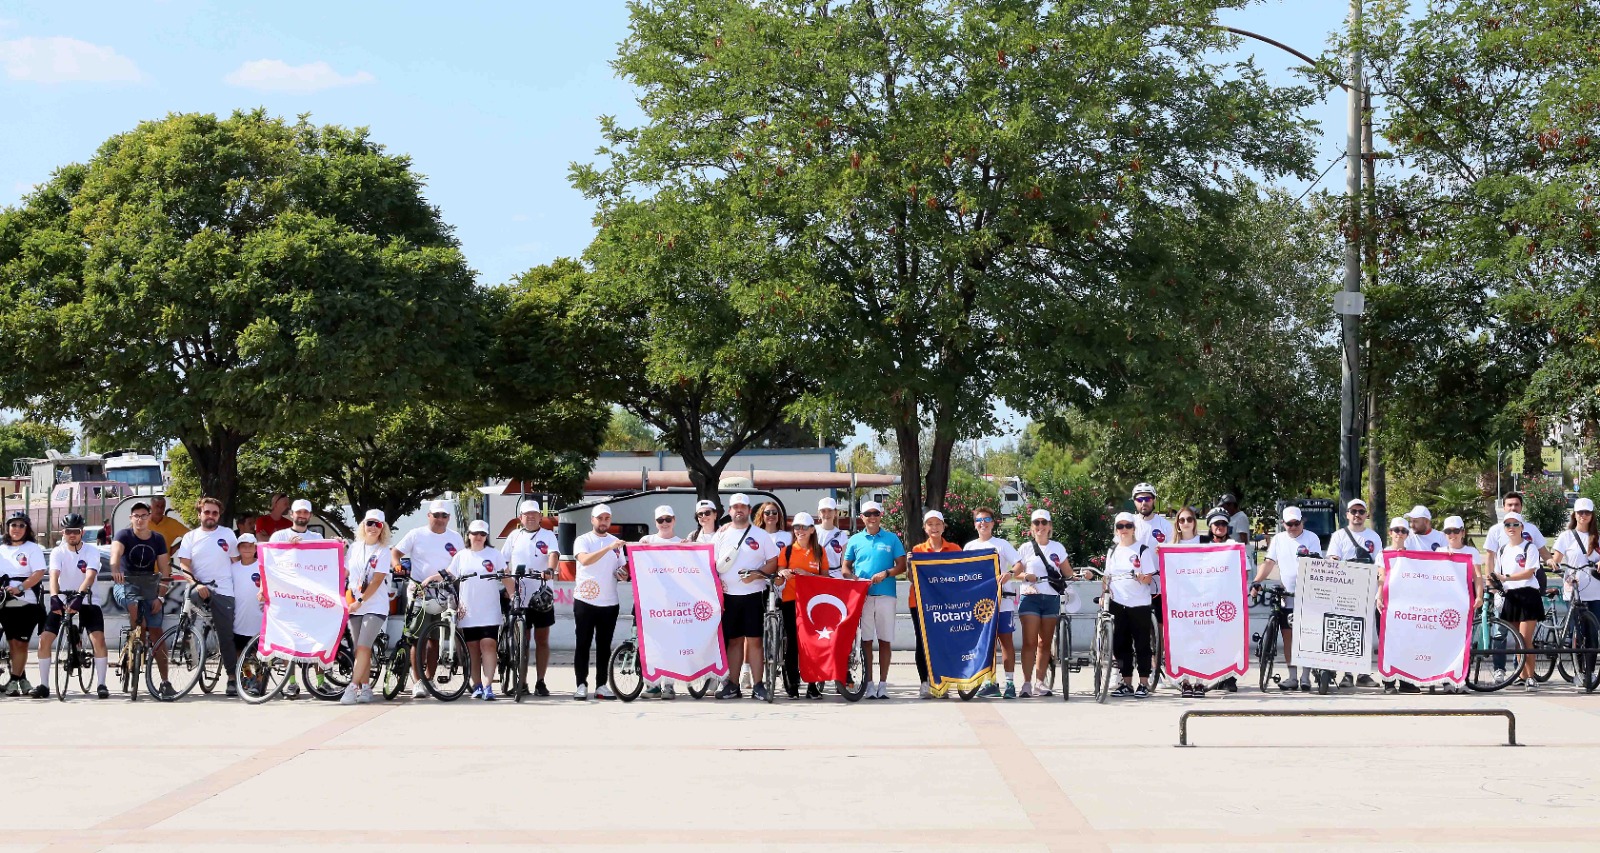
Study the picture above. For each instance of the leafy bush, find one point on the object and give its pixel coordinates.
(1544, 504)
(1078, 510)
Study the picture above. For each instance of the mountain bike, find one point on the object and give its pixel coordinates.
(1266, 640)
(189, 644)
(512, 646)
(1101, 656)
(328, 683)
(261, 679)
(73, 655)
(1491, 639)
(391, 665)
(442, 648)
(772, 643)
(1579, 629)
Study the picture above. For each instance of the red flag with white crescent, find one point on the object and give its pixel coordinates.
(827, 613)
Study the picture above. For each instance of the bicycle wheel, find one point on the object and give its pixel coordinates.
(1544, 637)
(1582, 632)
(67, 656)
(443, 642)
(855, 686)
(394, 669)
(328, 683)
(698, 690)
(772, 652)
(1063, 661)
(513, 659)
(1158, 647)
(128, 667)
(1102, 661)
(211, 671)
(626, 679)
(1488, 638)
(1267, 654)
(185, 660)
(259, 679)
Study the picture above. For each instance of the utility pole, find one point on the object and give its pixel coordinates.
(1378, 494)
(1348, 303)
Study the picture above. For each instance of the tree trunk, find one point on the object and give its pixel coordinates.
(216, 466)
(1378, 487)
(938, 479)
(1532, 447)
(908, 440)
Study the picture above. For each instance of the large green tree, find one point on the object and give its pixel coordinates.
(29, 440)
(982, 196)
(212, 279)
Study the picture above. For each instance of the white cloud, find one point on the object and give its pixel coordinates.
(275, 75)
(57, 59)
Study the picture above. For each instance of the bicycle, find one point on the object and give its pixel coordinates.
(72, 654)
(187, 648)
(441, 639)
(391, 667)
(1579, 630)
(512, 647)
(1278, 621)
(133, 650)
(772, 643)
(261, 679)
(1100, 647)
(1492, 639)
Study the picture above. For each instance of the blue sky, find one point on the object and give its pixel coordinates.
(493, 101)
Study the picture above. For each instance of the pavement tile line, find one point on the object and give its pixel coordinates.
(1049, 809)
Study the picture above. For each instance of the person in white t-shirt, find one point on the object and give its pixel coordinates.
(1578, 548)
(1455, 534)
(666, 524)
(1494, 540)
(74, 567)
(1283, 554)
(532, 548)
(246, 594)
(421, 555)
(298, 529)
(1129, 576)
(1153, 528)
(367, 593)
(1186, 527)
(207, 553)
(832, 537)
(601, 566)
(481, 570)
(746, 559)
(1516, 569)
(983, 518)
(1038, 604)
(705, 522)
(1423, 536)
(769, 517)
(1238, 526)
(1356, 543)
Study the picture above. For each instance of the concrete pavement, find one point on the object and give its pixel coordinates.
(213, 774)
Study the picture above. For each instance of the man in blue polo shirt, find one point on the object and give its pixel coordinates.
(876, 555)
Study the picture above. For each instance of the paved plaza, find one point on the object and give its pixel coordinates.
(209, 774)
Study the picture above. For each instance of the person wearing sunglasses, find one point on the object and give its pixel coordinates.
(983, 518)
(1154, 528)
(1129, 578)
(480, 607)
(666, 525)
(832, 537)
(746, 560)
(74, 566)
(770, 518)
(208, 553)
(705, 519)
(429, 550)
(1283, 555)
(535, 549)
(1523, 607)
(1494, 539)
(1038, 603)
(804, 555)
(1355, 543)
(1219, 531)
(876, 555)
(367, 592)
(1186, 527)
(23, 561)
(1579, 546)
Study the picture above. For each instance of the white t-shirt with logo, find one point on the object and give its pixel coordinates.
(1342, 545)
(1517, 557)
(1433, 540)
(1053, 551)
(597, 582)
(479, 596)
(210, 554)
(287, 535)
(430, 552)
(247, 599)
(71, 567)
(361, 562)
(531, 550)
(742, 550)
(1286, 551)
(20, 562)
(1122, 564)
(653, 539)
(1494, 541)
(1008, 558)
(1154, 531)
(1573, 546)
(782, 538)
(833, 542)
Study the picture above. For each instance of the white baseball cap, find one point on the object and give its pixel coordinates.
(803, 519)
(478, 526)
(599, 510)
(702, 506)
(1397, 523)
(1583, 505)
(1355, 502)
(664, 510)
(1420, 511)
(933, 513)
(247, 539)
(1512, 516)
(869, 506)
(529, 505)
(301, 504)
(1040, 515)
(1292, 513)
(739, 499)
(1454, 522)
(1124, 517)
(827, 503)
(376, 515)
(438, 506)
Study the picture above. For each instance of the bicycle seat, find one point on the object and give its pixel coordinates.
(1552, 593)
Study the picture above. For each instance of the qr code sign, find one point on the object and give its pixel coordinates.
(1342, 635)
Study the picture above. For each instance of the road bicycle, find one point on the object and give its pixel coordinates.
(772, 650)
(442, 647)
(1279, 620)
(190, 644)
(512, 645)
(1492, 639)
(74, 658)
(1579, 630)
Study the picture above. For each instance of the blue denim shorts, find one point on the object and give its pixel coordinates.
(1047, 605)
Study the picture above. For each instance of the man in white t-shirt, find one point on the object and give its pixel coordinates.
(297, 531)
(1423, 537)
(1283, 554)
(1238, 526)
(833, 538)
(746, 558)
(1494, 541)
(1151, 527)
(421, 555)
(666, 534)
(533, 548)
(601, 564)
(1356, 542)
(208, 553)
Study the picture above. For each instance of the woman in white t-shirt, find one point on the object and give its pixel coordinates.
(246, 593)
(367, 593)
(481, 570)
(1579, 547)
(1129, 576)
(1516, 568)
(1455, 536)
(770, 518)
(1187, 527)
(1038, 603)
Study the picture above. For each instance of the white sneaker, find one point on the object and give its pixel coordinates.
(351, 693)
(582, 693)
(925, 691)
(1026, 691)
(667, 691)
(418, 691)
(365, 696)
(883, 690)
(1499, 675)
(604, 692)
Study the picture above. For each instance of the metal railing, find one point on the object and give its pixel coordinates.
(1510, 718)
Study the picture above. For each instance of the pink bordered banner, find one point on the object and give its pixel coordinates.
(677, 609)
(1205, 624)
(1427, 617)
(304, 613)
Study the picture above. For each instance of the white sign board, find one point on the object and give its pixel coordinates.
(1333, 615)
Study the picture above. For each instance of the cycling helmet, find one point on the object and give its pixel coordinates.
(544, 600)
(125, 594)
(1143, 489)
(72, 522)
(1218, 514)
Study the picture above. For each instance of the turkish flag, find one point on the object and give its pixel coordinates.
(827, 613)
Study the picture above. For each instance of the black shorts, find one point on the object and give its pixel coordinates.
(20, 620)
(540, 618)
(89, 618)
(1523, 604)
(741, 615)
(485, 632)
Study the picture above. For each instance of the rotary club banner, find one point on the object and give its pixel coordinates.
(1427, 617)
(677, 608)
(958, 594)
(827, 614)
(304, 615)
(1205, 630)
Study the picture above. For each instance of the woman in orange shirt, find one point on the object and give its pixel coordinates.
(933, 525)
(804, 554)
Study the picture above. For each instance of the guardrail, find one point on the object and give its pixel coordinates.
(1511, 719)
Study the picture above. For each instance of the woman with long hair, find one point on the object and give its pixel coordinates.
(1516, 569)
(1188, 527)
(770, 518)
(368, 594)
(802, 555)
